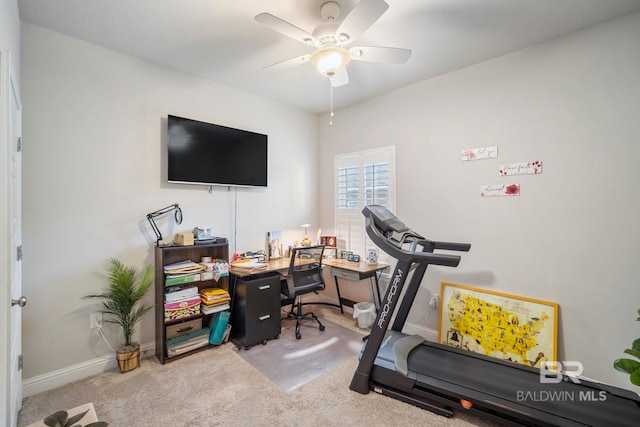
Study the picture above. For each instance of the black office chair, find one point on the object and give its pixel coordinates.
(304, 276)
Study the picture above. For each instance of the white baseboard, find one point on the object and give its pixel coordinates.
(60, 377)
(413, 329)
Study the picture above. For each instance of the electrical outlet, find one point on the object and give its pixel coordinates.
(433, 302)
(96, 320)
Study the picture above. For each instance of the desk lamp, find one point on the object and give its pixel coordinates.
(152, 215)
(306, 241)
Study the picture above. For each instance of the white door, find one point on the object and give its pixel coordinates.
(10, 109)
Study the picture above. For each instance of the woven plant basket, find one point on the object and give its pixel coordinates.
(128, 360)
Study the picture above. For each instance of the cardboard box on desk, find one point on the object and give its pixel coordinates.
(184, 239)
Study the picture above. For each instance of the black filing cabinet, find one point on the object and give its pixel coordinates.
(255, 316)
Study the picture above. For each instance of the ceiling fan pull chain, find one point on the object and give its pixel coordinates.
(330, 103)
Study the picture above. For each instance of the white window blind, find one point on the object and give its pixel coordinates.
(362, 178)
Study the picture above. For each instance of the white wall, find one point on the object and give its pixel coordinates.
(10, 32)
(93, 124)
(573, 235)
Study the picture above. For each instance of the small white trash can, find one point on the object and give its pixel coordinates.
(365, 312)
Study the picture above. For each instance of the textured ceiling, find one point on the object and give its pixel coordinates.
(221, 41)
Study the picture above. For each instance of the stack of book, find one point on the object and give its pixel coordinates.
(180, 300)
(214, 300)
(183, 344)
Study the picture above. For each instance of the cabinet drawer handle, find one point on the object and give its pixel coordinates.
(265, 317)
(188, 328)
(263, 287)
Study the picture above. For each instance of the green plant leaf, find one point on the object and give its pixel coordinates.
(97, 424)
(57, 419)
(633, 352)
(635, 377)
(636, 344)
(627, 366)
(71, 421)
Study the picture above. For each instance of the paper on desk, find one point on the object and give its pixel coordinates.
(249, 265)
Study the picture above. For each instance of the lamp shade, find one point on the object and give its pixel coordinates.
(331, 60)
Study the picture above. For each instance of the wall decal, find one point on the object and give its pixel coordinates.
(524, 168)
(479, 153)
(493, 190)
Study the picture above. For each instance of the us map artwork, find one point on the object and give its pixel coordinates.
(506, 327)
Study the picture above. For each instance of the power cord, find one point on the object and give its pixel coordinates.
(104, 338)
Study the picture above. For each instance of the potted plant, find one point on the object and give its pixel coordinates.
(630, 366)
(62, 419)
(122, 303)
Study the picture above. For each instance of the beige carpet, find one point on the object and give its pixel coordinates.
(217, 388)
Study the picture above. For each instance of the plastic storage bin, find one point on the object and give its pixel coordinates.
(365, 312)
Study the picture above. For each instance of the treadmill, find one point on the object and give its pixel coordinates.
(440, 378)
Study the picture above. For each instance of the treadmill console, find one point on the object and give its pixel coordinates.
(384, 220)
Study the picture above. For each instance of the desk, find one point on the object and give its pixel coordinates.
(354, 271)
(349, 270)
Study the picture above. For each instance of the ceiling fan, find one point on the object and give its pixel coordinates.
(332, 40)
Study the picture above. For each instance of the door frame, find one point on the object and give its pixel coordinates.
(8, 86)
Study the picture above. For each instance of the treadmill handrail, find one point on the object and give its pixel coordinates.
(408, 256)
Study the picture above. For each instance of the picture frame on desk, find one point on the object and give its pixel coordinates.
(345, 254)
(328, 241)
(274, 245)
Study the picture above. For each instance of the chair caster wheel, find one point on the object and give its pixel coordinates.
(321, 327)
(277, 337)
(264, 342)
(298, 335)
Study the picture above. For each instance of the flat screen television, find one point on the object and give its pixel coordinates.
(210, 154)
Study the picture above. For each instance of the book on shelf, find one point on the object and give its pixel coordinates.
(182, 267)
(182, 279)
(180, 293)
(213, 292)
(182, 309)
(210, 309)
(218, 327)
(185, 343)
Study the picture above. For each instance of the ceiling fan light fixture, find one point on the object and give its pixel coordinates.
(330, 61)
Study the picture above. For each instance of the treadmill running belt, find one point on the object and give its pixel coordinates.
(587, 402)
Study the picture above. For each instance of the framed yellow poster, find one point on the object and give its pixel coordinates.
(507, 327)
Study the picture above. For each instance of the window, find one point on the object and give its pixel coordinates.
(362, 178)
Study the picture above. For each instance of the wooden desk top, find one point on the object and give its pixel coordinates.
(282, 266)
(272, 266)
(359, 267)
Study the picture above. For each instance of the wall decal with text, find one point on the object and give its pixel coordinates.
(479, 153)
(494, 190)
(524, 168)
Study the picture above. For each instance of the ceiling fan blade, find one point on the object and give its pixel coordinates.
(289, 62)
(391, 55)
(361, 17)
(339, 79)
(287, 29)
